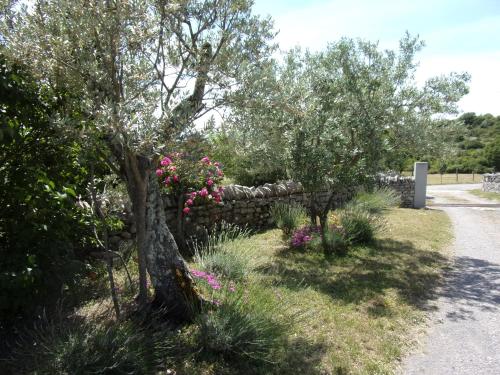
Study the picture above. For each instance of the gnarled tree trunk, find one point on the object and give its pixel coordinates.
(157, 250)
(174, 288)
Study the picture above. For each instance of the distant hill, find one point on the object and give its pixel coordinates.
(477, 144)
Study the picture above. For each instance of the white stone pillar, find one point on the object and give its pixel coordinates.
(420, 175)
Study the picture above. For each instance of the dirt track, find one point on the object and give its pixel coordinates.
(464, 332)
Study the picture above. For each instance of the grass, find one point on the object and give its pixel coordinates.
(349, 315)
(486, 194)
(451, 178)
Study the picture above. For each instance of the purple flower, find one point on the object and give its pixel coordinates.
(303, 235)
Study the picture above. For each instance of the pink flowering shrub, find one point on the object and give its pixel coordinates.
(194, 179)
(302, 236)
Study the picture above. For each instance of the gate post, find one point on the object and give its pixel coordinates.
(420, 176)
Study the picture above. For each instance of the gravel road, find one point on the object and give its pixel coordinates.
(464, 332)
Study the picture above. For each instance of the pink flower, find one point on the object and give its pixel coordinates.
(193, 194)
(220, 189)
(186, 210)
(168, 180)
(176, 178)
(198, 273)
(189, 202)
(172, 168)
(217, 164)
(215, 285)
(210, 182)
(232, 289)
(219, 173)
(205, 159)
(159, 172)
(166, 161)
(203, 192)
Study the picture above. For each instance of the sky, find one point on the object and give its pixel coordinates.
(460, 35)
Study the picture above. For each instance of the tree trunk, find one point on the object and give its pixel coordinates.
(323, 221)
(135, 169)
(181, 240)
(174, 288)
(313, 213)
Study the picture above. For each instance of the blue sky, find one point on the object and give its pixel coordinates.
(460, 35)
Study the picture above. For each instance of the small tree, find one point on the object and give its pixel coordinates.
(340, 112)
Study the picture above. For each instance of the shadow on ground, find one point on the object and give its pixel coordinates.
(365, 274)
(471, 284)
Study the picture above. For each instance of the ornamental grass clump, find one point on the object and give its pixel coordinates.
(287, 216)
(378, 201)
(227, 253)
(244, 325)
(80, 348)
(361, 218)
(336, 241)
(359, 225)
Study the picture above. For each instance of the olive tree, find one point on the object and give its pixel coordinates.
(140, 72)
(338, 114)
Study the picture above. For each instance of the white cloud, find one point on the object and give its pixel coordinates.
(455, 41)
(484, 96)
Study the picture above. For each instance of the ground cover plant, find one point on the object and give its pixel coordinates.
(292, 311)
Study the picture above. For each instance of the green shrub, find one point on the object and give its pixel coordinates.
(287, 217)
(243, 326)
(377, 201)
(359, 224)
(43, 234)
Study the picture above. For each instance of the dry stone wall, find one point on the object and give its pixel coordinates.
(491, 182)
(250, 206)
(405, 186)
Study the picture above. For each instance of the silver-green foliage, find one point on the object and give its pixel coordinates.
(287, 216)
(335, 116)
(227, 253)
(361, 218)
(87, 348)
(245, 325)
(377, 201)
(360, 226)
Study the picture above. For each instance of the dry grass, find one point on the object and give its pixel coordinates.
(486, 194)
(451, 178)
